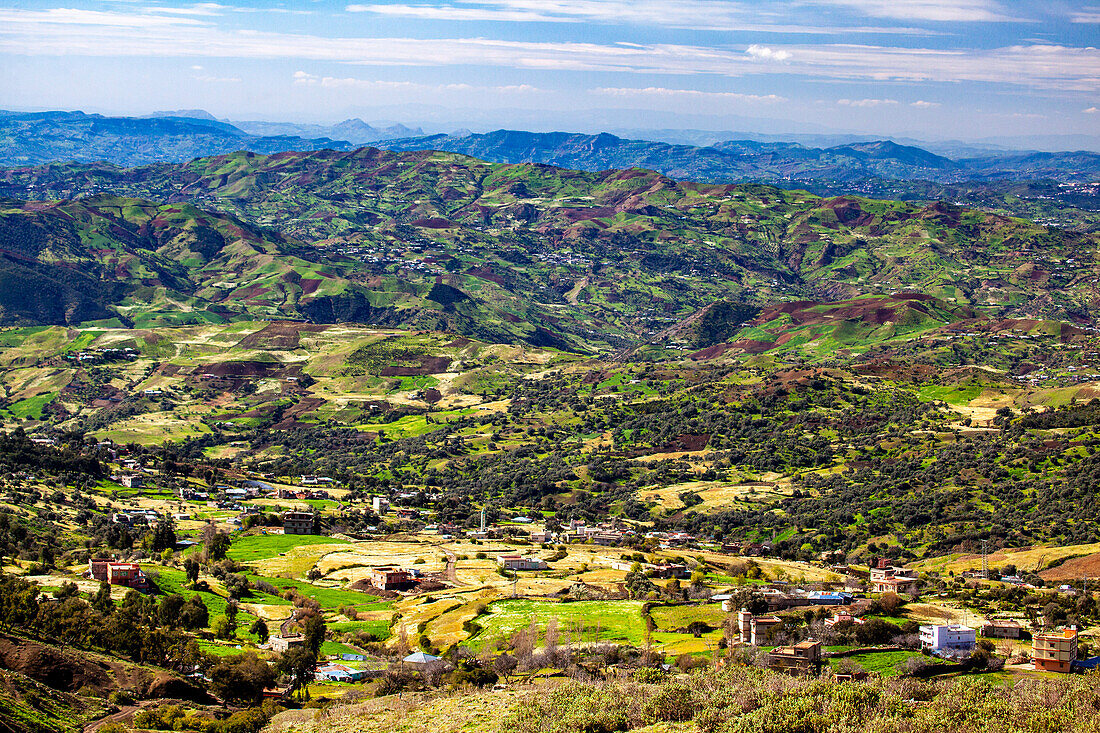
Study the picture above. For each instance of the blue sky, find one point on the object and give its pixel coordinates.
(967, 69)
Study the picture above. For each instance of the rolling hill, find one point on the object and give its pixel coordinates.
(578, 259)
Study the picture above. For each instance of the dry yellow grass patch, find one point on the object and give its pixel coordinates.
(1028, 559)
(462, 713)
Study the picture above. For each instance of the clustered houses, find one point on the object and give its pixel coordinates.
(887, 578)
(127, 574)
(135, 516)
(779, 599)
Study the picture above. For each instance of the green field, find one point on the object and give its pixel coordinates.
(264, 546)
(883, 663)
(613, 620)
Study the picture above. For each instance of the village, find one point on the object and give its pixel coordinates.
(425, 588)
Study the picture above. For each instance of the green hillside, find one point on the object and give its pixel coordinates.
(580, 260)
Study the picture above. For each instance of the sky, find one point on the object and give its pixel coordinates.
(929, 69)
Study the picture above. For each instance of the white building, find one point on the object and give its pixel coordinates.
(381, 505)
(948, 638)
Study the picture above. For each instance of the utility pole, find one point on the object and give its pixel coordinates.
(985, 559)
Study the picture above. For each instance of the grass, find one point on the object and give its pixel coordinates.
(264, 546)
(582, 620)
(31, 408)
(883, 663)
(329, 598)
(677, 617)
(379, 627)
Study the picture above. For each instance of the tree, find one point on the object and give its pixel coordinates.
(191, 568)
(101, 601)
(504, 665)
(170, 608)
(241, 678)
(259, 630)
(163, 536)
(314, 630)
(215, 544)
(222, 627)
(298, 663)
(194, 614)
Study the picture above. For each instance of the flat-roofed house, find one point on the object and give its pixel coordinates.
(1054, 651)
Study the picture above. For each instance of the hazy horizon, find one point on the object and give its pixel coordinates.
(969, 70)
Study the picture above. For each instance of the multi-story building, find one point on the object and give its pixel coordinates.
(127, 574)
(298, 523)
(754, 629)
(1055, 651)
(1002, 629)
(947, 638)
(801, 658)
(886, 578)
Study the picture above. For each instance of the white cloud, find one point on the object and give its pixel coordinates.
(921, 104)
(208, 9)
(693, 14)
(332, 82)
(865, 102)
(197, 67)
(90, 18)
(218, 79)
(763, 52)
(693, 94)
(94, 33)
(1091, 110)
(1089, 14)
(947, 11)
(452, 13)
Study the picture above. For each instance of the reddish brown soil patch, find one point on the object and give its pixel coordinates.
(432, 396)
(712, 352)
(279, 335)
(434, 223)
(485, 272)
(428, 365)
(751, 346)
(689, 442)
(242, 369)
(50, 666)
(1075, 569)
(459, 343)
(309, 287)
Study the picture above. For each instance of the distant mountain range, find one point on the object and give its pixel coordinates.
(748, 160)
(354, 131)
(45, 137)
